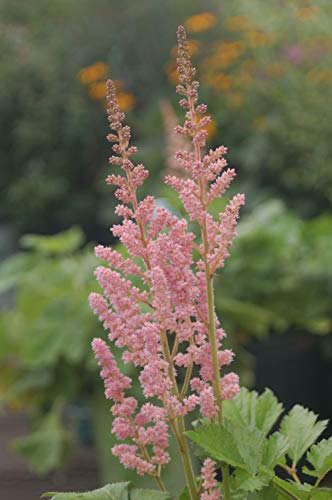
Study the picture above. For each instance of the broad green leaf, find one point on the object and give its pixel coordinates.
(292, 490)
(250, 443)
(251, 482)
(320, 457)
(45, 448)
(275, 448)
(254, 411)
(321, 494)
(233, 444)
(300, 426)
(13, 269)
(266, 493)
(64, 242)
(115, 491)
(118, 491)
(139, 494)
(219, 443)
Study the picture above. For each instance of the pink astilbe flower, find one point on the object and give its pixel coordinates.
(166, 324)
(209, 482)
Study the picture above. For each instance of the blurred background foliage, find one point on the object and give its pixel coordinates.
(265, 72)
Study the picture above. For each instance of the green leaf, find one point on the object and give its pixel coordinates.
(232, 444)
(300, 426)
(44, 449)
(115, 491)
(253, 411)
(292, 490)
(219, 443)
(321, 494)
(275, 448)
(64, 242)
(139, 494)
(13, 269)
(320, 457)
(251, 482)
(268, 493)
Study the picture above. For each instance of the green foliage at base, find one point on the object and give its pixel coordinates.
(115, 491)
(255, 455)
(244, 442)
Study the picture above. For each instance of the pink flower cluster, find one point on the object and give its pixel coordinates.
(162, 323)
(209, 482)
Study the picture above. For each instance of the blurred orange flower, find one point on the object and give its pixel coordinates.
(220, 82)
(257, 38)
(126, 101)
(225, 53)
(92, 73)
(236, 99)
(211, 128)
(193, 46)
(200, 22)
(275, 69)
(238, 23)
(305, 13)
(172, 72)
(323, 76)
(97, 90)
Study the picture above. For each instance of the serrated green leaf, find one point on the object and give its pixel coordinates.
(292, 490)
(250, 443)
(275, 448)
(300, 426)
(232, 443)
(139, 494)
(320, 457)
(268, 493)
(251, 482)
(251, 410)
(115, 491)
(219, 444)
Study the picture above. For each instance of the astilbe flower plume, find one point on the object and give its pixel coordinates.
(166, 325)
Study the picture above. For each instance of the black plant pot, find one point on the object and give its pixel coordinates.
(291, 365)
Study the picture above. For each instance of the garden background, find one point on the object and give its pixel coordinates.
(266, 75)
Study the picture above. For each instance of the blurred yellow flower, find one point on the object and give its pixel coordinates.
(97, 71)
(211, 128)
(126, 101)
(193, 46)
(236, 99)
(172, 72)
(323, 76)
(257, 38)
(260, 123)
(200, 22)
(97, 90)
(275, 69)
(249, 66)
(220, 82)
(305, 13)
(238, 23)
(225, 53)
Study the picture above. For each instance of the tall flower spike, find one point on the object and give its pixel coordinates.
(157, 305)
